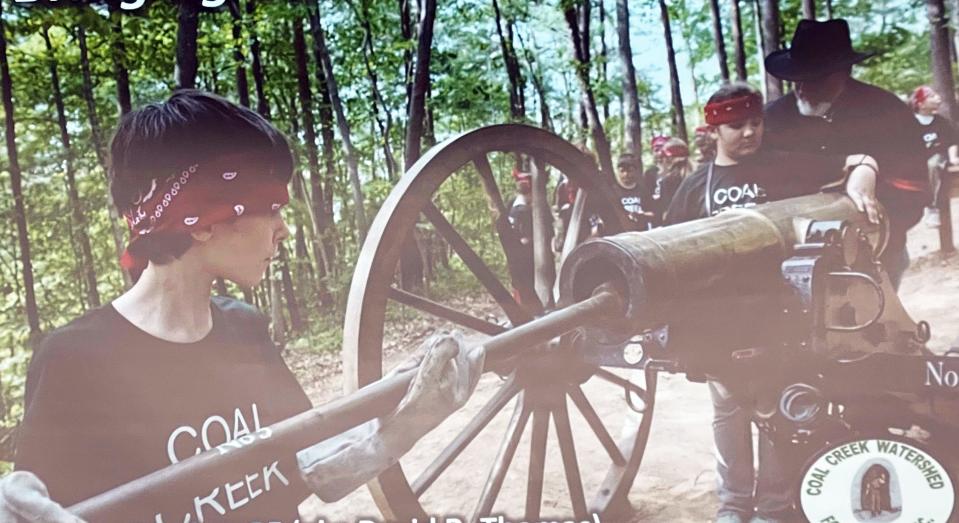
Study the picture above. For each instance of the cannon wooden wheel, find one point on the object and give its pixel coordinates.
(533, 399)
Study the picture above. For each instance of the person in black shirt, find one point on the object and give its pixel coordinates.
(656, 146)
(634, 195)
(705, 145)
(940, 139)
(743, 175)
(674, 167)
(164, 372)
(829, 112)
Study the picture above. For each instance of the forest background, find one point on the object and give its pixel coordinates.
(363, 88)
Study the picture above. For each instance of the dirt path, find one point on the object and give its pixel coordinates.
(677, 478)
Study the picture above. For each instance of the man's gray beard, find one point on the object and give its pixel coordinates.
(810, 109)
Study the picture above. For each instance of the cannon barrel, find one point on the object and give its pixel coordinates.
(663, 272)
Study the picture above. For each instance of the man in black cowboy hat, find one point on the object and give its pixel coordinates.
(831, 113)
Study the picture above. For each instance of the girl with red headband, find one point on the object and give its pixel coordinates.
(742, 175)
(164, 372)
(940, 138)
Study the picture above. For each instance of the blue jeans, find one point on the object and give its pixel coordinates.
(740, 489)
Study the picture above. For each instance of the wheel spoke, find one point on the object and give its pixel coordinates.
(567, 449)
(537, 462)
(573, 232)
(497, 473)
(543, 262)
(629, 386)
(508, 237)
(517, 315)
(576, 394)
(576, 223)
(464, 438)
(494, 199)
(444, 312)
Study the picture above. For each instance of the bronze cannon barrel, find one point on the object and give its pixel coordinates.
(699, 268)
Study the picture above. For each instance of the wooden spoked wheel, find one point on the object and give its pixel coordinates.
(598, 462)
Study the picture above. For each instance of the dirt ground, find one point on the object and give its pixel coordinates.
(676, 480)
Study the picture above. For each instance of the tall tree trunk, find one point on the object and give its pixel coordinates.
(16, 184)
(829, 9)
(188, 18)
(378, 102)
(809, 9)
(118, 54)
(679, 115)
(411, 261)
(633, 140)
(276, 307)
(406, 31)
(719, 40)
(99, 147)
(421, 80)
(545, 119)
(771, 42)
(588, 104)
(309, 131)
(941, 64)
(739, 45)
(320, 201)
(352, 164)
(79, 219)
(604, 55)
(289, 295)
(256, 62)
(242, 83)
(517, 103)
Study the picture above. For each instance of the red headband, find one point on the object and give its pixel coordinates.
(521, 176)
(749, 106)
(657, 143)
(675, 150)
(203, 194)
(920, 94)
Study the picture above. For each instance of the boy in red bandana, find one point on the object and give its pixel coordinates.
(740, 176)
(164, 372)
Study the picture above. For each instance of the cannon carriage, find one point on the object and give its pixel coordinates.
(787, 296)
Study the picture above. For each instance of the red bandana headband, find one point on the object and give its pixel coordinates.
(919, 95)
(203, 194)
(675, 150)
(742, 108)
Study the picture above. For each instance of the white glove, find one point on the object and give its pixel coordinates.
(448, 373)
(24, 498)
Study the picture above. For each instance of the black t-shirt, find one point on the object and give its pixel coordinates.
(938, 135)
(635, 202)
(521, 219)
(661, 190)
(760, 178)
(863, 120)
(107, 403)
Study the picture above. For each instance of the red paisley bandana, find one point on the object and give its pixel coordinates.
(200, 195)
(749, 106)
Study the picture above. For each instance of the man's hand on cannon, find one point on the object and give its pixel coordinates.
(448, 372)
(861, 184)
(23, 497)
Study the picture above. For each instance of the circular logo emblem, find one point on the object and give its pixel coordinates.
(876, 480)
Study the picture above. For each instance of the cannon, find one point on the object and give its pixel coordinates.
(787, 296)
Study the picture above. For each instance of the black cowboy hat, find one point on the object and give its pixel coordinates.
(817, 49)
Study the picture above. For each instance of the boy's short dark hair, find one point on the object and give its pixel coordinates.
(626, 160)
(164, 137)
(731, 91)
